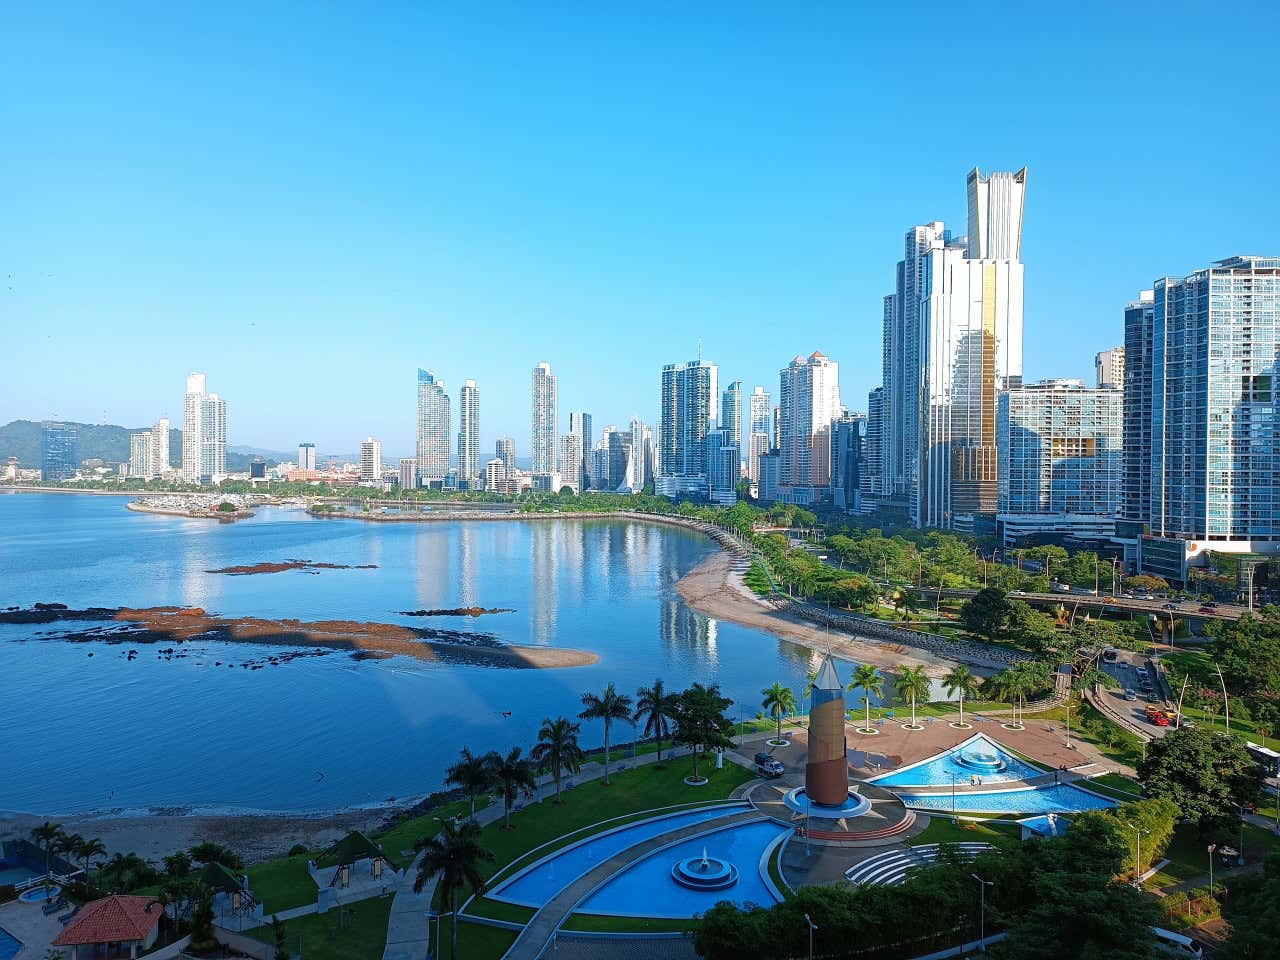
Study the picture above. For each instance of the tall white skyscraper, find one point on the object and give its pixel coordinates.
(731, 412)
(140, 455)
(505, 450)
(160, 447)
(640, 465)
(995, 214)
(571, 461)
(580, 424)
(690, 394)
(759, 425)
(371, 461)
(434, 419)
(193, 427)
(306, 456)
(1109, 365)
(545, 415)
(204, 433)
(809, 401)
(469, 435)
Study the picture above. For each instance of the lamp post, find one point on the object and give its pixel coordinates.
(1137, 860)
(812, 927)
(982, 910)
(953, 795)
(1212, 847)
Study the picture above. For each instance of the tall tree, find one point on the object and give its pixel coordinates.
(1208, 774)
(778, 701)
(514, 777)
(46, 837)
(607, 706)
(557, 749)
(453, 855)
(472, 774)
(701, 722)
(86, 850)
(871, 682)
(912, 685)
(656, 708)
(960, 680)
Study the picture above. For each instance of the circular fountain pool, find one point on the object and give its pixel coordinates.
(37, 894)
(855, 805)
(978, 758)
(704, 872)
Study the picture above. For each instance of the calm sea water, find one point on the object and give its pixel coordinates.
(99, 732)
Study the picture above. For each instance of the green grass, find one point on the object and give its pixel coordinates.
(319, 936)
(499, 910)
(1118, 781)
(282, 884)
(941, 830)
(397, 843)
(775, 872)
(1189, 858)
(476, 941)
(607, 924)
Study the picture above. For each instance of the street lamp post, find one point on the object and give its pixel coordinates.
(982, 910)
(812, 927)
(1212, 847)
(1137, 860)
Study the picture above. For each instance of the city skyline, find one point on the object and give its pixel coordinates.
(435, 226)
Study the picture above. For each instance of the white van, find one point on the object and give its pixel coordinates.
(1176, 945)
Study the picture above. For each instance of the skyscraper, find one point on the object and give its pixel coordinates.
(723, 462)
(1110, 367)
(434, 420)
(58, 458)
(689, 397)
(469, 436)
(544, 419)
(1060, 449)
(571, 461)
(160, 447)
(306, 456)
(140, 455)
(809, 401)
(1212, 456)
(846, 461)
(869, 481)
(193, 427)
(1139, 320)
(371, 461)
(505, 450)
(213, 461)
(953, 341)
(580, 424)
(640, 467)
(731, 412)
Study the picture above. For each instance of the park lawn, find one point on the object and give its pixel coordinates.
(282, 884)
(499, 910)
(320, 936)
(608, 924)
(476, 941)
(941, 830)
(1118, 781)
(1188, 853)
(1241, 728)
(775, 872)
(397, 843)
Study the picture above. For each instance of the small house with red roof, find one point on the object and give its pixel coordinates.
(115, 926)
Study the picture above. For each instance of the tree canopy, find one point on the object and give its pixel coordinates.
(1205, 773)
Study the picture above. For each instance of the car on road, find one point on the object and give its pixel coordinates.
(1169, 606)
(1207, 609)
(1131, 695)
(769, 766)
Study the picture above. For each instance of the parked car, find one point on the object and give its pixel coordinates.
(769, 766)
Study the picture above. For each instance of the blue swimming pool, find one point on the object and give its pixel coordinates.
(1062, 798)
(9, 947)
(537, 884)
(646, 889)
(979, 756)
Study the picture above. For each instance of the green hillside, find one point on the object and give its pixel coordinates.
(107, 442)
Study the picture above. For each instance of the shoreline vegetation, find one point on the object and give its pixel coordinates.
(223, 509)
(365, 640)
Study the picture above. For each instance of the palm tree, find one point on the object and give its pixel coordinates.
(472, 774)
(514, 776)
(779, 701)
(912, 685)
(46, 837)
(557, 748)
(609, 706)
(86, 850)
(657, 709)
(66, 844)
(962, 681)
(454, 856)
(870, 681)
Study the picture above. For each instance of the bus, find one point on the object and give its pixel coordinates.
(1266, 758)
(1176, 945)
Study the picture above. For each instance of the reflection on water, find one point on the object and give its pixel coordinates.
(376, 728)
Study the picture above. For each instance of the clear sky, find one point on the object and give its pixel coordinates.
(310, 201)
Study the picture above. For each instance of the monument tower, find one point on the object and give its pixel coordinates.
(826, 774)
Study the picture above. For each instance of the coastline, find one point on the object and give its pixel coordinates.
(138, 507)
(716, 589)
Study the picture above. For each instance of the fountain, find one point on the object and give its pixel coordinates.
(704, 872)
(982, 760)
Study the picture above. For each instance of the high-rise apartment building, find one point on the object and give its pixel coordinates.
(140, 455)
(1212, 456)
(58, 457)
(408, 472)
(580, 425)
(434, 420)
(640, 462)
(495, 474)
(809, 401)
(371, 460)
(872, 451)
(545, 416)
(571, 462)
(757, 441)
(468, 436)
(731, 412)
(307, 456)
(1139, 317)
(846, 461)
(160, 447)
(723, 461)
(1061, 448)
(204, 433)
(689, 398)
(505, 450)
(1109, 365)
(953, 342)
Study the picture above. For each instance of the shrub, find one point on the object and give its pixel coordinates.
(297, 850)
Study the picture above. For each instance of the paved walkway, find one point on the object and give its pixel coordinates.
(408, 929)
(537, 934)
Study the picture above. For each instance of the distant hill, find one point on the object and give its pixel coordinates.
(100, 441)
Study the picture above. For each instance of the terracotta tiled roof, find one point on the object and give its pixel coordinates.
(111, 920)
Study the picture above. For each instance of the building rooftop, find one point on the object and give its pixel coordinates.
(114, 919)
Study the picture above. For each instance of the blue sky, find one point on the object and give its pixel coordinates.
(308, 201)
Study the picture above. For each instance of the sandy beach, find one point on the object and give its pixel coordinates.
(155, 834)
(717, 590)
